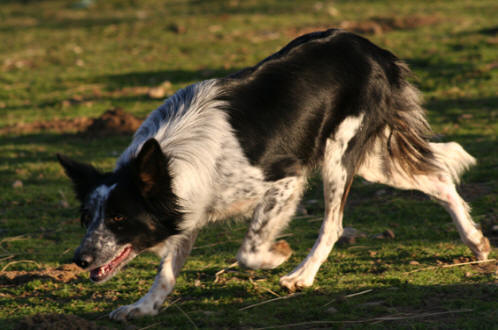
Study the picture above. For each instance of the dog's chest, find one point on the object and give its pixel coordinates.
(238, 186)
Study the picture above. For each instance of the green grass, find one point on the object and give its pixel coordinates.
(51, 53)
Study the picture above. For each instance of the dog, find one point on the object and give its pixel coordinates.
(244, 145)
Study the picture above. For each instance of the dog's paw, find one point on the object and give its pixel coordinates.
(132, 311)
(296, 281)
(276, 255)
(483, 249)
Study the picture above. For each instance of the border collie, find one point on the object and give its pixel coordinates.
(245, 144)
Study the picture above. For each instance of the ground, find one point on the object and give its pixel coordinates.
(64, 64)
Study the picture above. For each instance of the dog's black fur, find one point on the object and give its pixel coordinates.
(243, 145)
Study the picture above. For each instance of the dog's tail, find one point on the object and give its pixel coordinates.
(453, 158)
(408, 132)
(408, 129)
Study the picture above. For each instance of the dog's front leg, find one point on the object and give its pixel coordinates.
(163, 284)
(258, 250)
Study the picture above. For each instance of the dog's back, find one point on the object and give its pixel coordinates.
(285, 108)
(245, 144)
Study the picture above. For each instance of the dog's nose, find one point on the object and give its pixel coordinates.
(83, 260)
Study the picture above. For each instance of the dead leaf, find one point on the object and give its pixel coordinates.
(17, 184)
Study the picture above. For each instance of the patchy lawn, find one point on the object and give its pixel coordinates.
(63, 65)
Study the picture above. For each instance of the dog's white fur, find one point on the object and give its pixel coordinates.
(334, 183)
(214, 176)
(210, 188)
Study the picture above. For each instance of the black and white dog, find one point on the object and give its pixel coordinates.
(244, 145)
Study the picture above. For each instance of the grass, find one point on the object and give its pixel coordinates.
(57, 61)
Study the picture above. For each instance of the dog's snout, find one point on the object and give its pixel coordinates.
(83, 260)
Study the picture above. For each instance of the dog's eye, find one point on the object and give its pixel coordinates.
(118, 218)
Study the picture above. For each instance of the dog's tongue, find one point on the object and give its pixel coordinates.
(100, 273)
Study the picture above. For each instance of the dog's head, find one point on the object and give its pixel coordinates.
(125, 212)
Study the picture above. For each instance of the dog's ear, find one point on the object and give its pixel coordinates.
(152, 169)
(84, 176)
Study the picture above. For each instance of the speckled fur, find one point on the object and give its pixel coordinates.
(243, 146)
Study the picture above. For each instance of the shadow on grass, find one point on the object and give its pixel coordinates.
(438, 68)
(115, 82)
(447, 306)
(453, 109)
(492, 31)
(443, 74)
(47, 144)
(151, 78)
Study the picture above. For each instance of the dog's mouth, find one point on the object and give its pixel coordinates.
(106, 271)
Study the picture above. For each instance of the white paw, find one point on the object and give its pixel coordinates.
(132, 311)
(482, 251)
(296, 280)
(273, 262)
(276, 255)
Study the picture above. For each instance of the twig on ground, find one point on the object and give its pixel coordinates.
(358, 293)
(292, 295)
(218, 273)
(17, 262)
(186, 315)
(12, 239)
(170, 304)
(394, 317)
(449, 266)
(8, 257)
(256, 286)
(349, 296)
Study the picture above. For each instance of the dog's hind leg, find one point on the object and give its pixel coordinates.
(451, 160)
(163, 284)
(271, 215)
(336, 182)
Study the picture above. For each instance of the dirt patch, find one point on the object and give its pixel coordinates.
(56, 125)
(57, 321)
(112, 122)
(379, 25)
(64, 273)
